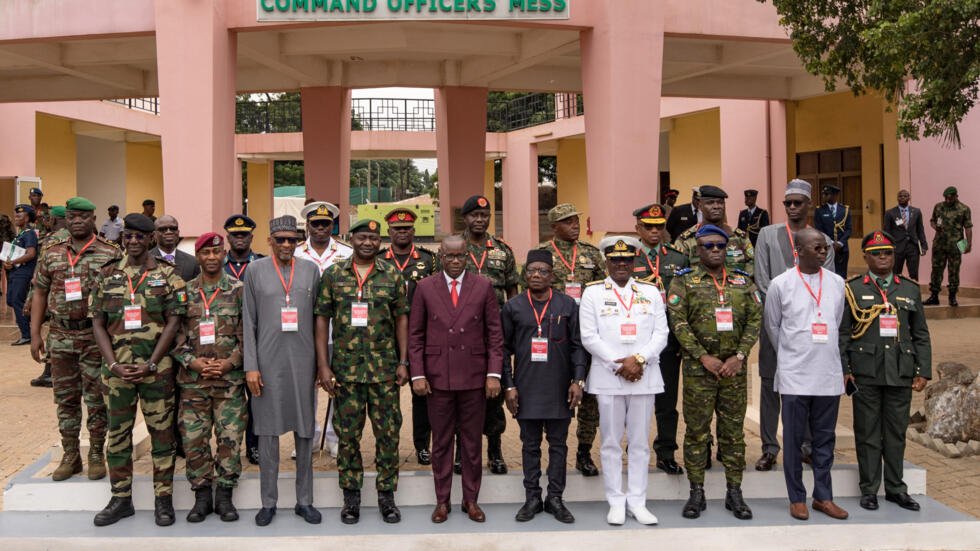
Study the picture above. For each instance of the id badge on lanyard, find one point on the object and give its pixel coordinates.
(724, 319)
(574, 290)
(539, 349)
(205, 331)
(289, 317)
(132, 319)
(73, 289)
(819, 332)
(888, 325)
(359, 314)
(627, 333)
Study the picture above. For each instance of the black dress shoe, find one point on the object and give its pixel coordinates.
(424, 457)
(736, 504)
(669, 466)
(869, 502)
(457, 465)
(531, 507)
(497, 465)
(765, 462)
(117, 509)
(21, 342)
(695, 502)
(933, 300)
(584, 464)
(264, 516)
(350, 513)
(903, 500)
(309, 513)
(556, 507)
(252, 454)
(389, 511)
(163, 510)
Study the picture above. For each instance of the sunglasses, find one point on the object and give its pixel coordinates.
(283, 240)
(651, 227)
(321, 224)
(166, 229)
(134, 236)
(883, 252)
(793, 203)
(713, 246)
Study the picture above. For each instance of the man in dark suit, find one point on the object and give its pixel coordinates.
(684, 216)
(456, 356)
(904, 224)
(834, 220)
(752, 218)
(167, 236)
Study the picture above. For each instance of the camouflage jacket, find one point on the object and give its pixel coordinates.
(670, 261)
(226, 311)
(950, 222)
(52, 239)
(740, 254)
(691, 305)
(363, 354)
(586, 259)
(494, 260)
(160, 295)
(422, 263)
(53, 268)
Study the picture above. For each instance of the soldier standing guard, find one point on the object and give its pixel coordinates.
(954, 229)
(135, 311)
(752, 218)
(66, 273)
(740, 254)
(490, 257)
(414, 263)
(211, 380)
(716, 316)
(886, 352)
(367, 300)
(834, 220)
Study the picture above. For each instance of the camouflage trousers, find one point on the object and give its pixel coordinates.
(353, 403)
(219, 409)
(942, 257)
(703, 398)
(155, 395)
(76, 375)
(588, 420)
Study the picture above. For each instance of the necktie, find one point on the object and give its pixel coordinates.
(454, 294)
(905, 216)
(882, 282)
(169, 257)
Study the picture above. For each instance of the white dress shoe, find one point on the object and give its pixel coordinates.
(642, 515)
(616, 515)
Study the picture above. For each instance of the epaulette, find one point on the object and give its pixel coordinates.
(683, 271)
(502, 242)
(853, 278)
(424, 250)
(739, 232)
(587, 245)
(105, 241)
(342, 242)
(899, 278)
(643, 282)
(596, 282)
(670, 247)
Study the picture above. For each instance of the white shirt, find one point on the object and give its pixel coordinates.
(334, 253)
(804, 367)
(458, 280)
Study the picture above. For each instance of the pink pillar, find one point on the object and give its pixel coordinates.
(326, 146)
(621, 80)
(777, 161)
(461, 137)
(744, 153)
(520, 196)
(196, 61)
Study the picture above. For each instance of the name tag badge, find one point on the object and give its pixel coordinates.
(899, 221)
(724, 319)
(131, 317)
(627, 333)
(819, 332)
(289, 317)
(539, 349)
(206, 331)
(73, 289)
(574, 290)
(888, 325)
(359, 314)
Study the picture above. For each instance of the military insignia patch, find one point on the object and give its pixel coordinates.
(482, 202)
(156, 282)
(674, 300)
(757, 297)
(181, 297)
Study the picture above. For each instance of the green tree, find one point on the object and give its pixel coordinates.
(879, 45)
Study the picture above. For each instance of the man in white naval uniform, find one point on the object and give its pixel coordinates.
(624, 326)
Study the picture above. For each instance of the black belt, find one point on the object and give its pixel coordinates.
(73, 325)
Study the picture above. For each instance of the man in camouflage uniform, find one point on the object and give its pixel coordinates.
(367, 302)
(211, 379)
(414, 263)
(135, 310)
(716, 315)
(60, 232)
(490, 257)
(740, 254)
(66, 272)
(952, 223)
(656, 263)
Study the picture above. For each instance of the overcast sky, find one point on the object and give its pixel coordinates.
(413, 93)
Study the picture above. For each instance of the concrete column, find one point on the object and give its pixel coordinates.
(461, 142)
(236, 190)
(744, 153)
(777, 160)
(489, 193)
(260, 201)
(326, 146)
(621, 80)
(196, 61)
(520, 196)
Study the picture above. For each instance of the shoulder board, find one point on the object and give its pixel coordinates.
(670, 247)
(687, 234)
(342, 242)
(587, 245)
(422, 250)
(742, 272)
(596, 282)
(899, 278)
(502, 242)
(105, 241)
(855, 278)
(739, 232)
(643, 282)
(164, 261)
(683, 271)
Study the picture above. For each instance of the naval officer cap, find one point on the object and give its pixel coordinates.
(239, 223)
(799, 187)
(320, 210)
(138, 222)
(619, 246)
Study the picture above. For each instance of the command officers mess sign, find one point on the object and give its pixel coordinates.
(409, 10)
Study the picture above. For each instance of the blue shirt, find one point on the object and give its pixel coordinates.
(25, 239)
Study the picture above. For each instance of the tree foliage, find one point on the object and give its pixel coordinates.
(879, 45)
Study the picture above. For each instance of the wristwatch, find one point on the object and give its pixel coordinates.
(580, 383)
(640, 359)
(403, 363)
(740, 356)
(152, 366)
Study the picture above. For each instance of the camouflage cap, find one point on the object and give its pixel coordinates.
(561, 212)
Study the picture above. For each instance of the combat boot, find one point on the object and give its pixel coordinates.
(350, 513)
(386, 504)
(71, 460)
(96, 459)
(583, 461)
(952, 300)
(163, 510)
(696, 502)
(223, 505)
(933, 300)
(735, 503)
(203, 505)
(117, 509)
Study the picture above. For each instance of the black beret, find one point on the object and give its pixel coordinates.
(474, 203)
(138, 222)
(539, 255)
(713, 192)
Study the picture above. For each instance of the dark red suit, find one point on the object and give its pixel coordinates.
(455, 348)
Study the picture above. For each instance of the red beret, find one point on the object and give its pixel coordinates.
(209, 239)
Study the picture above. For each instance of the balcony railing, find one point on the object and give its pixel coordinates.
(150, 105)
(393, 114)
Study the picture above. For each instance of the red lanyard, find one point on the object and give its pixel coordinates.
(721, 288)
(819, 293)
(655, 270)
(292, 270)
(570, 266)
(132, 290)
(207, 302)
(72, 262)
(237, 274)
(360, 281)
(792, 246)
(483, 259)
(884, 296)
(621, 301)
(401, 267)
(540, 318)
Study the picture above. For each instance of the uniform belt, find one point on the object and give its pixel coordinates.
(73, 325)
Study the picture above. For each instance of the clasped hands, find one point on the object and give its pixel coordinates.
(629, 369)
(131, 373)
(211, 368)
(727, 368)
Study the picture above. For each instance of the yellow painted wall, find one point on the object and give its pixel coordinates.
(573, 180)
(695, 152)
(55, 158)
(144, 176)
(260, 203)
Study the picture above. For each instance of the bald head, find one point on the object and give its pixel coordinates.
(167, 233)
(452, 254)
(811, 245)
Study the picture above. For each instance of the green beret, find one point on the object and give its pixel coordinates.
(951, 190)
(365, 225)
(80, 203)
(57, 211)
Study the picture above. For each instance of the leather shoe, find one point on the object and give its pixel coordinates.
(424, 457)
(555, 507)
(669, 466)
(497, 466)
(869, 502)
(903, 500)
(21, 342)
(117, 509)
(440, 513)
(531, 507)
(642, 515)
(309, 513)
(765, 462)
(616, 515)
(735, 503)
(830, 509)
(264, 516)
(584, 464)
(350, 513)
(252, 454)
(952, 300)
(474, 511)
(163, 510)
(799, 511)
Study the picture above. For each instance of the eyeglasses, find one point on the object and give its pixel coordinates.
(283, 240)
(538, 271)
(165, 229)
(882, 252)
(793, 203)
(713, 246)
(453, 257)
(321, 223)
(134, 236)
